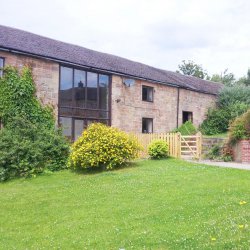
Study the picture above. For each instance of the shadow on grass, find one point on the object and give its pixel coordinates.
(98, 170)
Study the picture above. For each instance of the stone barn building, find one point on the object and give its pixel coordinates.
(86, 86)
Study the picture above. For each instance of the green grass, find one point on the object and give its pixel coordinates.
(167, 204)
(222, 135)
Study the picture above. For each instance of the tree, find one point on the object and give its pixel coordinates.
(192, 69)
(245, 79)
(226, 78)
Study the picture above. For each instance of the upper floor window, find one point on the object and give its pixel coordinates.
(1, 66)
(147, 93)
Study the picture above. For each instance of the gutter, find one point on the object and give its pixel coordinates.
(99, 69)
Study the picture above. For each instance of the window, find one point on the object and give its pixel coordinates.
(147, 125)
(1, 66)
(83, 99)
(147, 93)
(187, 116)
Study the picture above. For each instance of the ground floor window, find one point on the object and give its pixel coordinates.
(187, 116)
(147, 125)
(73, 127)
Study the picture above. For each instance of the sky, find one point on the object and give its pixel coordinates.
(160, 33)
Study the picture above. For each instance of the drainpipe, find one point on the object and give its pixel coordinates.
(178, 104)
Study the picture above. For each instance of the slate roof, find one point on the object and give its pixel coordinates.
(22, 41)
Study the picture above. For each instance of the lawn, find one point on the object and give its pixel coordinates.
(167, 204)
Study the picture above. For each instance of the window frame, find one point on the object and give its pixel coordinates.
(148, 87)
(74, 117)
(1, 71)
(147, 118)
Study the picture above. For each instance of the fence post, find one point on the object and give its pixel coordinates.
(199, 144)
(178, 134)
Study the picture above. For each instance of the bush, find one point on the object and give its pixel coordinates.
(158, 149)
(240, 128)
(218, 119)
(232, 95)
(103, 146)
(232, 102)
(28, 149)
(29, 142)
(186, 129)
(220, 152)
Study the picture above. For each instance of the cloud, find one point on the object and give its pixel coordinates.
(161, 33)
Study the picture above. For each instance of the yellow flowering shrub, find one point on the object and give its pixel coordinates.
(103, 146)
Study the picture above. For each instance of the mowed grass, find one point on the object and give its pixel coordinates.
(167, 204)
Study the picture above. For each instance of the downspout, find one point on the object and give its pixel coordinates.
(178, 104)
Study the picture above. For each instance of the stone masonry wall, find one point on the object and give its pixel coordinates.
(46, 76)
(128, 109)
(195, 102)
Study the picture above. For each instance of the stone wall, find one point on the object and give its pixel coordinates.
(128, 109)
(195, 102)
(46, 76)
(209, 142)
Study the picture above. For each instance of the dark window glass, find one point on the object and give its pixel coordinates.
(1, 66)
(103, 91)
(147, 125)
(83, 99)
(187, 116)
(79, 88)
(66, 82)
(147, 93)
(66, 124)
(79, 126)
(91, 90)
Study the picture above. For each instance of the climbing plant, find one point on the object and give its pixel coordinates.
(29, 142)
(17, 98)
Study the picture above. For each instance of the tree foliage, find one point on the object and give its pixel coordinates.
(192, 69)
(226, 78)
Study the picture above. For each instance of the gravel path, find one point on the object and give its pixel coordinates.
(245, 166)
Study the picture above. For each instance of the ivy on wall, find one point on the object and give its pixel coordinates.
(17, 98)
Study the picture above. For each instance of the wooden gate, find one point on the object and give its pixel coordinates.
(179, 146)
(191, 146)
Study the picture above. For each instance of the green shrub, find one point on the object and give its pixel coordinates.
(186, 129)
(218, 119)
(158, 149)
(232, 102)
(28, 149)
(29, 142)
(240, 128)
(232, 95)
(103, 146)
(215, 152)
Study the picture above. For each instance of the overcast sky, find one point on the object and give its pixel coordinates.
(161, 33)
